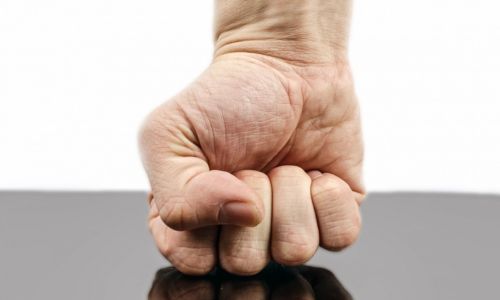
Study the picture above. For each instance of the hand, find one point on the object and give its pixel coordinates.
(267, 141)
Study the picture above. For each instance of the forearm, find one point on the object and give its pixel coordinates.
(298, 31)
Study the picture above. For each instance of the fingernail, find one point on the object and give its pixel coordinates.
(239, 213)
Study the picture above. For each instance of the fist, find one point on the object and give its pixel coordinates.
(258, 159)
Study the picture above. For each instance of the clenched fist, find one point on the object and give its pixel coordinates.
(260, 157)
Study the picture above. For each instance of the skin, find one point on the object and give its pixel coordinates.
(260, 158)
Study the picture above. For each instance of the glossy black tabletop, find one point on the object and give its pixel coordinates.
(96, 246)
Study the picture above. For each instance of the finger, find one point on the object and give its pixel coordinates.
(339, 219)
(295, 235)
(188, 194)
(245, 250)
(191, 252)
(359, 197)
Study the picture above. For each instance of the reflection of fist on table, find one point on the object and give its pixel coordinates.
(266, 142)
(275, 282)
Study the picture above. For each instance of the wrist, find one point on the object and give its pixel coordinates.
(297, 31)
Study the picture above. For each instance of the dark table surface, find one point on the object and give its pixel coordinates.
(96, 246)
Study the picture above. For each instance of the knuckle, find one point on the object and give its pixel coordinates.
(248, 261)
(329, 186)
(342, 237)
(294, 249)
(292, 254)
(287, 171)
(191, 261)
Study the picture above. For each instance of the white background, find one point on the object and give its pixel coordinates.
(76, 79)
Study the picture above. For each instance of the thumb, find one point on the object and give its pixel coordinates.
(187, 193)
(208, 198)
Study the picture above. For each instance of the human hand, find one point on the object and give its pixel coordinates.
(267, 142)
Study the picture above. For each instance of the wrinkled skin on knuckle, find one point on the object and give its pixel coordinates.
(293, 248)
(248, 262)
(342, 237)
(292, 254)
(191, 261)
(324, 187)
